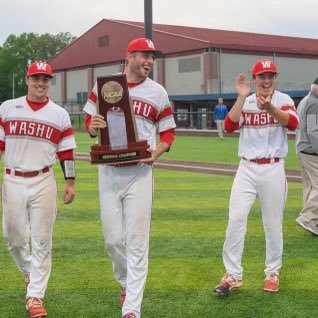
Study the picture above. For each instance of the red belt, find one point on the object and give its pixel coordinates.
(263, 161)
(28, 174)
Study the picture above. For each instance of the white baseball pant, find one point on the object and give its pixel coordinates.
(268, 183)
(126, 200)
(29, 213)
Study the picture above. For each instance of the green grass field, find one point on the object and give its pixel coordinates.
(188, 228)
(200, 149)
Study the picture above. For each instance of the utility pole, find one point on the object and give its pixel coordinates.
(148, 23)
(148, 18)
(13, 84)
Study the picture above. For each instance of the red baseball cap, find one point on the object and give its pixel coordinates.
(143, 45)
(264, 66)
(40, 68)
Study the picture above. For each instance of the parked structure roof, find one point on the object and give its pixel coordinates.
(170, 39)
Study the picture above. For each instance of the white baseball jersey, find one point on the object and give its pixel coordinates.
(152, 110)
(261, 135)
(32, 138)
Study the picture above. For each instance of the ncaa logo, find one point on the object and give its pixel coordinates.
(266, 64)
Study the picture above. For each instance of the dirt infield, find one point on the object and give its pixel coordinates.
(204, 168)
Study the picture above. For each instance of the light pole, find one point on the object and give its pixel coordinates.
(13, 84)
(148, 23)
(148, 18)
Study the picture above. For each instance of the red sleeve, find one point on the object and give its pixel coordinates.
(88, 119)
(66, 155)
(2, 145)
(93, 97)
(292, 123)
(230, 125)
(167, 136)
(293, 120)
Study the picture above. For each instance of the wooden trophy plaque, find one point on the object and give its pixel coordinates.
(118, 142)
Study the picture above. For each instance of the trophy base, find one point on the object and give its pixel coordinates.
(102, 154)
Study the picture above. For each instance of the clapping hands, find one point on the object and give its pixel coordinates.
(243, 87)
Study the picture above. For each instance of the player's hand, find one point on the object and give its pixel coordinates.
(264, 102)
(97, 122)
(155, 154)
(243, 87)
(69, 192)
(150, 160)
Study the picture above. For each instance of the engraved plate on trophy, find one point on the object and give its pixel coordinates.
(118, 142)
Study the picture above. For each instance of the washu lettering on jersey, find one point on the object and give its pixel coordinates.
(144, 109)
(28, 128)
(258, 119)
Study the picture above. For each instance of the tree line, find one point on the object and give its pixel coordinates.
(18, 51)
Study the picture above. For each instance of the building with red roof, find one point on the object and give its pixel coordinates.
(199, 65)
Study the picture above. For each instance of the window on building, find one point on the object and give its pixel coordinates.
(81, 97)
(191, 64)
(103, 41)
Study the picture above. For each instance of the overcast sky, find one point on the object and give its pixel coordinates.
(279, 17)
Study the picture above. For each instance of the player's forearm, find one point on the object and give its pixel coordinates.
(236, 111)
(92, 132)
(89, 129)
(281, 116)
(161, 148)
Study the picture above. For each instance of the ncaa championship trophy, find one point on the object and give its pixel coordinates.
(118, 142)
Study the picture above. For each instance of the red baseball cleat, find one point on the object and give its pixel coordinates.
(34, 307)
(271, 283)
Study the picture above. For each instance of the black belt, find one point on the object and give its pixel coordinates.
(309, 153)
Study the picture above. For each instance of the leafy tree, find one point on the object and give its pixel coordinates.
(18, 51)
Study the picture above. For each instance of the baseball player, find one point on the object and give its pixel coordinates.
(263, 119)
(33, 131)
(126, 191)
